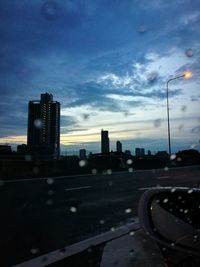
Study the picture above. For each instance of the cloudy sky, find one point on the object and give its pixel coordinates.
(107, 63)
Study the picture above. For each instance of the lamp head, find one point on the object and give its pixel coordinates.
(187, 74)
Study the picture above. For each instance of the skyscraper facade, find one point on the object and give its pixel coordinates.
(44, 126)
(119, 146)
(105, 144)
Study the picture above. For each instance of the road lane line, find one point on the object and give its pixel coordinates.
(78, 188)
(163, 177)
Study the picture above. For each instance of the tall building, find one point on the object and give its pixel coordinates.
(82, 153)
(105, 146)
(44, 126)
(119, 146)
(139, 152)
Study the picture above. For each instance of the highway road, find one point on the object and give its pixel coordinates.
(43, 214)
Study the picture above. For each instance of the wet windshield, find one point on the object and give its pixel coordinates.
(99, 100)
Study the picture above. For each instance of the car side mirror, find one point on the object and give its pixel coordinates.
(171, 216)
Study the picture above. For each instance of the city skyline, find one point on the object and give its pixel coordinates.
(107, 72)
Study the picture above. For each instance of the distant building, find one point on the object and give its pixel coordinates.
(44, 126)
(162, 154)
(22, 149)
(82, 153)
(128, 152)
(119, 146)
(105, 144)
(149, 152)
(5, 150)
(139, 152)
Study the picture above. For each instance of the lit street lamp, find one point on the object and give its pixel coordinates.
(186, 75)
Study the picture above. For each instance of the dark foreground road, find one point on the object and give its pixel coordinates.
(41, 215)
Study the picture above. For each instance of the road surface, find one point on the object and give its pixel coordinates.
(43, 214)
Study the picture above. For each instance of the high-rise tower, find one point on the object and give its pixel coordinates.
(119, 146)
(44, 126)
(105, 146)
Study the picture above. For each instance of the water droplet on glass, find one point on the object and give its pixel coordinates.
(190, 191)
(152, 77)
(132, 233)
(49, 202)
(101, 221)
(183, 108)
(173, 190)
(109, 171)
(82, 163)
(86, 116)
(128, 210)
(193, 146)
(165, 200)
(44, 259)
(50, 181)
(189, 52)
(180, 127)
(110, 183)
(141, 29)
(62, 251)
(130, 169)
(129, 161)
(131, 252)
(186, 211)
(50, 192)
(173, 156)
(172, 244)
(49, 10)
(73, 209)
(157, 200)
(180, 197)
(164, 249)
(181, 210)
(38, 123)
(157, 123)
(166, 169)
(28, 158)
(94, 171)
(35, 170)
(34, 251)
(112, 229)
(89, 250)
(179, 159)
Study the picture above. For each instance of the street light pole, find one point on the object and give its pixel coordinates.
(168, 121)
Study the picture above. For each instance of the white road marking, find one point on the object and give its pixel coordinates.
(78, 188)
(163, 177)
